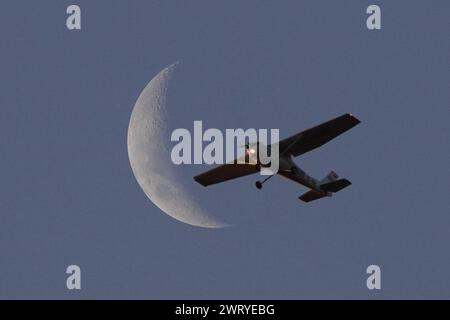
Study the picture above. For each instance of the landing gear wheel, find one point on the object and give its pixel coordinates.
(258, 185)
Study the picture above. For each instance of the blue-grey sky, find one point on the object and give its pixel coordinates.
(68, 195)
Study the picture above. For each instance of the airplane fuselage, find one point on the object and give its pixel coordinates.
(287, 164)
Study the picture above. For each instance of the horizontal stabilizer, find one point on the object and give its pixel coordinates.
(311, 195)
(332, 176)
(335, 186)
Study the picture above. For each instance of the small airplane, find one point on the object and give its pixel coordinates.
(290, 147)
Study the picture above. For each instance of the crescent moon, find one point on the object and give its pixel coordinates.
(150, 158)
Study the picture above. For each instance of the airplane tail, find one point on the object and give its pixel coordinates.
(312, 195)
(331, 183)
(335, 186)
(332, 176)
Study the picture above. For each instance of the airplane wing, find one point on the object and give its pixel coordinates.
(225, 172)
(317, 136)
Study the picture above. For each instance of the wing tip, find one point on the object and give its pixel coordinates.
(199, 180)
(352, 117)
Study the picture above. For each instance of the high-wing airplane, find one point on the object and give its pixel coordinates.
(289, 148)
